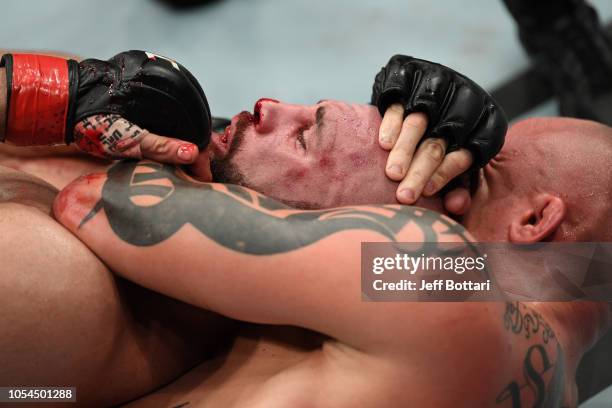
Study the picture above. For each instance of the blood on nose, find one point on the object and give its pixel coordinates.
(257, 108)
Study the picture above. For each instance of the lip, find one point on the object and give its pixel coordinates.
(221, 142)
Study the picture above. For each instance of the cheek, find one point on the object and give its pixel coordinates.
(295, 174)
(360, 159)
(326, 162)
(328, 168)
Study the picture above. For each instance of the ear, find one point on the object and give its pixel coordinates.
(541, 220)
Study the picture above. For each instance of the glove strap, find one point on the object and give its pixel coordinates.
(38, 96)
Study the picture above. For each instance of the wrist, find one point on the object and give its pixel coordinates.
(37, 99)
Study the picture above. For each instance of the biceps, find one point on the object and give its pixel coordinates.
(233, 251)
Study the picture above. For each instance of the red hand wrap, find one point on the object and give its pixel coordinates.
(38, 103)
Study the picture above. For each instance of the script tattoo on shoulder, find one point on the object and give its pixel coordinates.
(528, 322)
(239, 218)
(543, 375)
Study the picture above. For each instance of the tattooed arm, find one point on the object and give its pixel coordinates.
(233, 251)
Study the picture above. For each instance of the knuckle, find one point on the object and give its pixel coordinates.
(400, 153)
(417, 176)
(460, 162)
(453, 165)
(390, 127)
(160, 146)
(440, 177)
(435, 150)
(417, 120)
(395, 109)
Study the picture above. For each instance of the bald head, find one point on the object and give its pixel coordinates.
(550, 164)
(566, 156)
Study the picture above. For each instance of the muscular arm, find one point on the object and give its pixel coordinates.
(233, 251)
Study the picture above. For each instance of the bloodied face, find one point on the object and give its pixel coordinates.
(317, 156)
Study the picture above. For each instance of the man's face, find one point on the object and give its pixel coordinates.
(318, 156)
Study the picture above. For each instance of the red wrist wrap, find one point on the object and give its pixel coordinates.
(39, 94)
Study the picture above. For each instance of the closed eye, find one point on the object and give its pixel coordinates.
(300, 136)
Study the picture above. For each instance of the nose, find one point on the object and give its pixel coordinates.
(271, 114)
(263, 110)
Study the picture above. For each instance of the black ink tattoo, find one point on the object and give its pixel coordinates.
(528, 322)
(238, 218)
(543, 378)
(546, 394)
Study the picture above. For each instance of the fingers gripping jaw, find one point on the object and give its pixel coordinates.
(400, 158)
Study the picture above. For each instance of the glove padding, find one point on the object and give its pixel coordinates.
(457, 108)
(151, 91)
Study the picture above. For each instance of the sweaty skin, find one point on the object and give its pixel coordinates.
(67, 320)
(370, 353)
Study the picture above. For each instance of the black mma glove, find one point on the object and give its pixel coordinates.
(102, 105)
(457, 108)
(149, 90)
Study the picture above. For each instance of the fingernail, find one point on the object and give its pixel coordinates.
(185, 152)
(395, 169)
(430, 188)
(407, 195)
